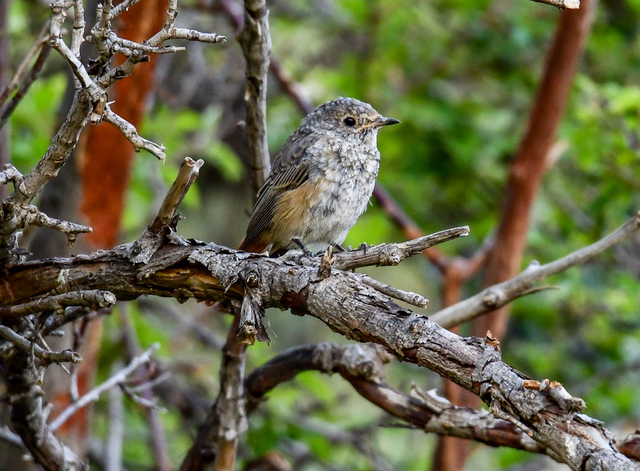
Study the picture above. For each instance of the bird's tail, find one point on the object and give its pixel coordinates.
(255, 246)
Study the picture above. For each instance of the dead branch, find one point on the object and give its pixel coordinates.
(393, 254)
(532, 158)
(216, 442)
(362, 366)
(131, 133)
(227, 419)
(21, 81)
(562, 4)
(348, 307)
(408, 297)
(58, 303)
(45, 356)
(157, 435)
(256, 45)
(169, 31)
(89, 105)
(28, 417)
(115, 439)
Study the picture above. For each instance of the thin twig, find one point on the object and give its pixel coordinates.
(569, 4)
(90, 298)
(393, 254)
(10, 437)
(112, 382)
(169, 31)
(115, 439)
(47, 357)
(408, 297)
(157, 435)
(119, 9)
(19, 80)
(131, 133)
(498, 295)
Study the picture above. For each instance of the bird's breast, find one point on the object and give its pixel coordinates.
(345, 187)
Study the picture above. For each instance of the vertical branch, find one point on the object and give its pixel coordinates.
(525, 175)
(256, 45)
(4, 76)
(526, 172)
(28, 417)
(530, 162)
(218, 437)
(215, 446)
(115, 440)
(230, 405)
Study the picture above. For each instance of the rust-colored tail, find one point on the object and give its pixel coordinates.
(255, 246)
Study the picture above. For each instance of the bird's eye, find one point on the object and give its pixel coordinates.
(349, 121)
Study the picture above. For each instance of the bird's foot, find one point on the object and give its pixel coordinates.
(363, 247)
(302, 247)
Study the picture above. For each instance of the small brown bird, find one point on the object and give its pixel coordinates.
(320, 182)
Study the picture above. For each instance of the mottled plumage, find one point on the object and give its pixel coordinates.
(321, 180)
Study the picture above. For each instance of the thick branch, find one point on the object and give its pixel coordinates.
(187, 175)
(532, 158)
(348, 307)
(56, 155)
(217, 438)
(361, 365)
(152, 237)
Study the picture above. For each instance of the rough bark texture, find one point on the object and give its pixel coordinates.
(256, 45)
(348, 307)
(27, 417)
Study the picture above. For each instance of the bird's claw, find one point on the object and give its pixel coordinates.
(303, 247)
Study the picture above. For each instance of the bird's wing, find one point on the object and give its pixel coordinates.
(290, 169)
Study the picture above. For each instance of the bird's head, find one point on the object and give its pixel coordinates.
(348, 118)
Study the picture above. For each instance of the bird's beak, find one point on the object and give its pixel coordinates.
(382, 121)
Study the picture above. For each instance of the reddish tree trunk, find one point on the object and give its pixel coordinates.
(525, 176)
(109, 155)
(531, 162)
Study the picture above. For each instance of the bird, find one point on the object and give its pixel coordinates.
(320, 182)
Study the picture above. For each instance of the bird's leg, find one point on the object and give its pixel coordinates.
(338, 247)
(303, 247)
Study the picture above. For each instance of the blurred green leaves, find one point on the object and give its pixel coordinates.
(461, 76)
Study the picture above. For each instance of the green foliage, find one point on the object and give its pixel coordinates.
(34, 121)
(461, 76)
